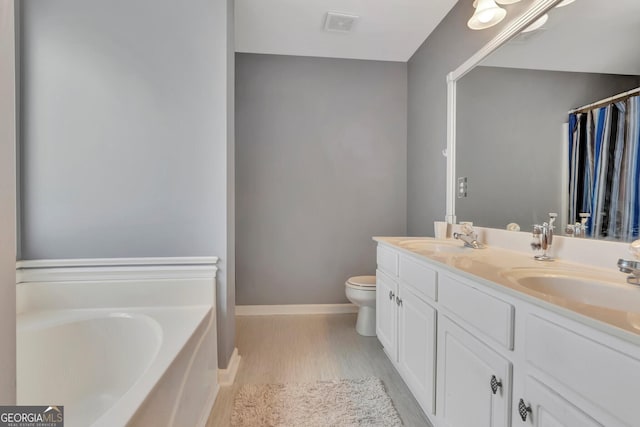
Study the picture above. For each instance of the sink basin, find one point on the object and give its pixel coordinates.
(597, 290)
(434, 245)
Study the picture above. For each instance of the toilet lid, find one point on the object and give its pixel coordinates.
(364, 281)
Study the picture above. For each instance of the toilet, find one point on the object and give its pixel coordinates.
(361, 291)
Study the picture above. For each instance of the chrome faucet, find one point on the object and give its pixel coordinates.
(469, 237)
(543, 237)
(632, 268)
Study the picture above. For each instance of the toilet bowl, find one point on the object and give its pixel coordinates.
(361, 291)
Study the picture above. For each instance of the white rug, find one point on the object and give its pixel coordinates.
(339, 403)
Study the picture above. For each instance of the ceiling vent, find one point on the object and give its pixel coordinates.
(339, 22)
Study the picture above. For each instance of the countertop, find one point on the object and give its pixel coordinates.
(495, 268)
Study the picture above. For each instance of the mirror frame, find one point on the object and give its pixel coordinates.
(535, 11)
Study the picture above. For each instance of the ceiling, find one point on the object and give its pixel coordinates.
(593, 36)
(386, 30)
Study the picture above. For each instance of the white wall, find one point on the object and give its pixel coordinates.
(126, 149)
(7, 205)
(321, 168)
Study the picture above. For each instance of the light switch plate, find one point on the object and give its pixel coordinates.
(462, 187)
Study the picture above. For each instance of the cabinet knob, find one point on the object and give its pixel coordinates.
(524, 410)
(391, 295)
(495, 384)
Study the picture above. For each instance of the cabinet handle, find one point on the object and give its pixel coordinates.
(391, 295)
(524, 410)
(398, 301)
(495, 384)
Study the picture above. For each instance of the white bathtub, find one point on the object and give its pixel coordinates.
(138, 365)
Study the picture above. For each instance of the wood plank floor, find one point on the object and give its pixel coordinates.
(285, 349)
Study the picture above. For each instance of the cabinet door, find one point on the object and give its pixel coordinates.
(466, 367)
(386, 314)
(542, 407)
(417, 346)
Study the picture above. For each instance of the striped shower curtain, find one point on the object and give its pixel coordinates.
(604, 170)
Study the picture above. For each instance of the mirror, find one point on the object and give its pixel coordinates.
(514, 144)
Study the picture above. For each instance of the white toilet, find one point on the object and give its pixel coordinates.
(361, 290)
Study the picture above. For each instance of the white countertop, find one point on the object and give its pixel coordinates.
(488, 267)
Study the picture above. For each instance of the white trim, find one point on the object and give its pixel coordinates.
(208, 407)
(564, 178)
(228, 376)
(115, 269)
(271, 310)
(452, 190)
(539, 8)
(99, 262)
(90, 274)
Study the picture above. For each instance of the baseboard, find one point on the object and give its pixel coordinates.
(206, 412)
(228, 376)
(270, 310)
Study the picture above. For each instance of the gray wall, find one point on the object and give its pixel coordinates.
(445, 49)
(321, 168)
(509, 140)
(126, 145)
(7, 206)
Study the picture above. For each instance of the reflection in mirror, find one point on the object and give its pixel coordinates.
(525, 154)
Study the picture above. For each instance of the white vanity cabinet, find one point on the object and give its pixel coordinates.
(417, 346)
(575, 373)
(406, 323)
(477, 355)
(387, 313)
(474, 382)
(545, 408)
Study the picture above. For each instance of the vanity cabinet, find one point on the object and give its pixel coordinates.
(476, 355)
(416, 346)
(474, 382)
(545, 408)
(387, 313)
(406, 326)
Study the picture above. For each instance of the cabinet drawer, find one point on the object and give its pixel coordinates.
(596, 373)
(421, 278)
(387, 261)
(489, 315)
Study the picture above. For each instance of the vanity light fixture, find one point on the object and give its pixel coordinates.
(537, 24)
(487, 14)
(565, 3)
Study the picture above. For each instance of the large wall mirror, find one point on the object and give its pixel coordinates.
(521, 151)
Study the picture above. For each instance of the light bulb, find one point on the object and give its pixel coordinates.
(487, 14)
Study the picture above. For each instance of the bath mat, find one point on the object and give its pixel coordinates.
(339, 403)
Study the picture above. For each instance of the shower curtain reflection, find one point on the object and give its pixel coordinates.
(604, 180)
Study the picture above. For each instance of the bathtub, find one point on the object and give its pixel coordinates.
(126, 352)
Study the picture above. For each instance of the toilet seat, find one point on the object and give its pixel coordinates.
(366, 283)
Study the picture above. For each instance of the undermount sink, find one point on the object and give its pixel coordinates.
(596, 290)
(434, 245)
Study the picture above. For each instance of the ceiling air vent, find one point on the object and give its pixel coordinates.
(340, 22)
